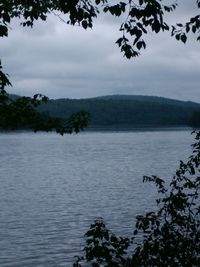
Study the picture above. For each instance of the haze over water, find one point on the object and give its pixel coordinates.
(52, 188)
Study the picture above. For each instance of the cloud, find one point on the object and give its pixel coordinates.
(64, 61)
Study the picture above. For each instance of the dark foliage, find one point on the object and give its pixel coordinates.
(21, 113)
(102, 247)
(141, 18)
(75, 123)
(169, 236)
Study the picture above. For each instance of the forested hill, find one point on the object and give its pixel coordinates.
(126, 110)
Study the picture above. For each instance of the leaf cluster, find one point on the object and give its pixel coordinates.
(141, 18)
(181, 30)
(75, 123)
(103, 248)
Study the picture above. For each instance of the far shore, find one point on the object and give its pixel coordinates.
(115, 128)
(121, 128)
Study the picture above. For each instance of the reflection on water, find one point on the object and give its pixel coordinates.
(53, 187)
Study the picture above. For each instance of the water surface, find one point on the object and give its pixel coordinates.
(53, 187)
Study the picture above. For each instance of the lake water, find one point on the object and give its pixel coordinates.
(53, 187)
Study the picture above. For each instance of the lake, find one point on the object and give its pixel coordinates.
(52, 188)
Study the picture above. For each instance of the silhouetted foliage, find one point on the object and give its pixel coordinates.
(103, 246)
(167, 237)
(75, 123)
(21, 113)
(141, 18)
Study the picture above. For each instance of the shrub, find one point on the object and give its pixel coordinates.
(169, 236)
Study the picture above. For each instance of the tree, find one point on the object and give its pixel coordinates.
(21, 112)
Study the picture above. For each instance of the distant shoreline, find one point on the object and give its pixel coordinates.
(137, 128)
(113, 129)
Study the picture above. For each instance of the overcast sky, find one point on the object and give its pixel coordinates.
(63, 61)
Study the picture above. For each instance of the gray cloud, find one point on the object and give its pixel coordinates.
(64, 61)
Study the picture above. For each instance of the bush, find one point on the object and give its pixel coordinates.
(168, 237)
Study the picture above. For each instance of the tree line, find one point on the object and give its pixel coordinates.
(126, 111)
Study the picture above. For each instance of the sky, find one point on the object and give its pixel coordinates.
(62, 61)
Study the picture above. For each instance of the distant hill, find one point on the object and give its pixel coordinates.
(126, 110)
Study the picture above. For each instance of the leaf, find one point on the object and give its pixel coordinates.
(141, 27)
(183, 38)
(119, 41)
(177, 36)
(139, 45)
(138, 34)
(187, 28)
(194, 28)
(3, 31)
(84, 24)
(156, 26)
(166, 8)
(6, 17)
